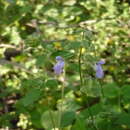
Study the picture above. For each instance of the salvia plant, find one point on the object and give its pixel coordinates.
(64, 65)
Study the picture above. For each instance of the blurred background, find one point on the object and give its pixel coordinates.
(33, 33)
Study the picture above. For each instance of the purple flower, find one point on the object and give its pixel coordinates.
(99, 70)
(101, 62)
(58, 68)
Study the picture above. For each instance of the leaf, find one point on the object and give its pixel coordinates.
(70, 104)
(80, 124)
(34, 82)
(31, 97)
(125, 91)
(49, 119)
(105, 124)
(52, 83)
(74, 45)
(35, 115)
(91, 88)
(94, 110)
(41, 60)
(124, 119)
(67, 118)
(110, 90)
(73, 68)
(64, 54)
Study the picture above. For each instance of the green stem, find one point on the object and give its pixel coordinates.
(81, 84)
(90, 113)
(102, 92)
(119, 100)
(80, 71)
(62, 99)
(61, 108)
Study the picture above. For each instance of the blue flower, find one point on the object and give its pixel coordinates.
(58, 68)
(99, 70)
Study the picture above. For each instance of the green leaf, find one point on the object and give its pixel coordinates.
(52, 83)
(70, 104)
(80, 124)
(33, 82)
(91, 88)
(65, 54)
(94, 110)
(111, 90)
(32, 96)
(49, 119)
(35, 115)
(41, 60)
(105, 124)
(124, 119)
(74, 45)
(125, 91)
(67, 118)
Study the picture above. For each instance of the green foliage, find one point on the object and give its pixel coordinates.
(49, 119)
(111, 90)
(67, 118)
(82, 32)
(31, 97)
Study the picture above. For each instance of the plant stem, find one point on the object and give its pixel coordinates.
(102, 92)
(80, 71)
(81, 85)
(90, 113)
(119, 100)
(61, 108)
(62, 99)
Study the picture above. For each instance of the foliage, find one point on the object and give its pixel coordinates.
(82, 32)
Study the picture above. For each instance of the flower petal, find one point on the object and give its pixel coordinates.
(99, 71)
(58, 68)
(101, 62)
(59, 58)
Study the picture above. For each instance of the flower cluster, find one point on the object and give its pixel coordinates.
(99, 70)
(58, 68)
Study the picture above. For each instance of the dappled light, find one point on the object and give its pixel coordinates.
(64, 65)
